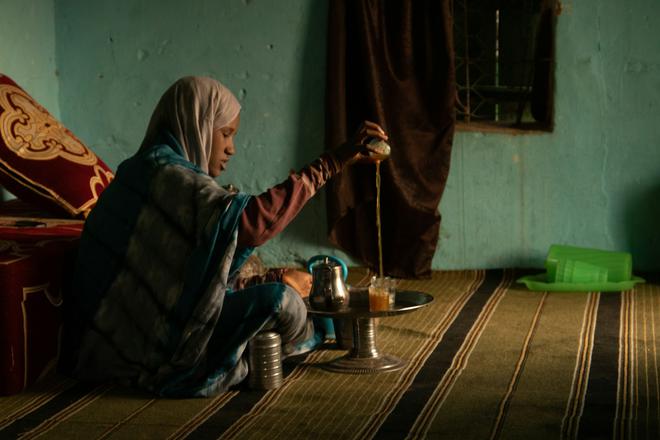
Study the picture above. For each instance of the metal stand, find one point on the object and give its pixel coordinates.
(364, 357)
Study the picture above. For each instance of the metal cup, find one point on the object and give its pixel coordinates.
(265, 361)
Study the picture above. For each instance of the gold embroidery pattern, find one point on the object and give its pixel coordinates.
(99, 181)
(32, 133)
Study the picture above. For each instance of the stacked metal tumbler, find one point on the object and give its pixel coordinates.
(265, 361)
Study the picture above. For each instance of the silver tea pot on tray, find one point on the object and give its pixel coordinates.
(329, 291)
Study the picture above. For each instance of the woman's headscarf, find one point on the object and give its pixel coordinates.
(190, 110)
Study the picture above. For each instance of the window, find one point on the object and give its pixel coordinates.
(505, 64)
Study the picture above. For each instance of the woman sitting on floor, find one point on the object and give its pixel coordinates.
(155, 300)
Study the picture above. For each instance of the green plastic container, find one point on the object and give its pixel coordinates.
(571, 264)
(576, 271)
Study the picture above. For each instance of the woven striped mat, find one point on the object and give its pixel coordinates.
(487, 359)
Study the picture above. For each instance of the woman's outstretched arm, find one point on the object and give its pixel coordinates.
(267, 214)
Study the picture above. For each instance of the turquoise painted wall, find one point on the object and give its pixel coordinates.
(117, 57)
(594, 182)
(27, 48)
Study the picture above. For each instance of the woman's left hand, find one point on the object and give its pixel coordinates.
(300, 281)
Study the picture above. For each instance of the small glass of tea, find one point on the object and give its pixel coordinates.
(381, 293)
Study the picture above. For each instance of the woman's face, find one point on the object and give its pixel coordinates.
(222, 146)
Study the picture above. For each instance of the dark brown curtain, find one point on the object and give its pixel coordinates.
(391, 62)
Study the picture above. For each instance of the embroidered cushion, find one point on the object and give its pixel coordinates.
(41, 161)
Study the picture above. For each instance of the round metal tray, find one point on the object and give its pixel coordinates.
(364, 357)
(358, 306)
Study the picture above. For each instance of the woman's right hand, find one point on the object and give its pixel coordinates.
(300, 281)
(356, 149)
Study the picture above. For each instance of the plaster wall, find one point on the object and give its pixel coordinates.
(117, 57)
(594, 181)
(27, 48)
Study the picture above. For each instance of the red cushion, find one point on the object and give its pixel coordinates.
(41, 161)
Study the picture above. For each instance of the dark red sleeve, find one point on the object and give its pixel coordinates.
(267, 214)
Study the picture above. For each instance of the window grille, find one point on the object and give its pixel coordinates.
(504, 55)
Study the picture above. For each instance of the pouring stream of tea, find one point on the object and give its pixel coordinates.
(380, 242)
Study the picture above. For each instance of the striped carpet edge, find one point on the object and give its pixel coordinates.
(402, 418)
(36, 402)
(600, 400)
(420, 427)
(575, 404)
(56, 409)
(520, 364)
(614, 391)
(415, 363)
(418, 362)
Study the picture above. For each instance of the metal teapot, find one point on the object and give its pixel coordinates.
(329, 291)
(378, 149)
